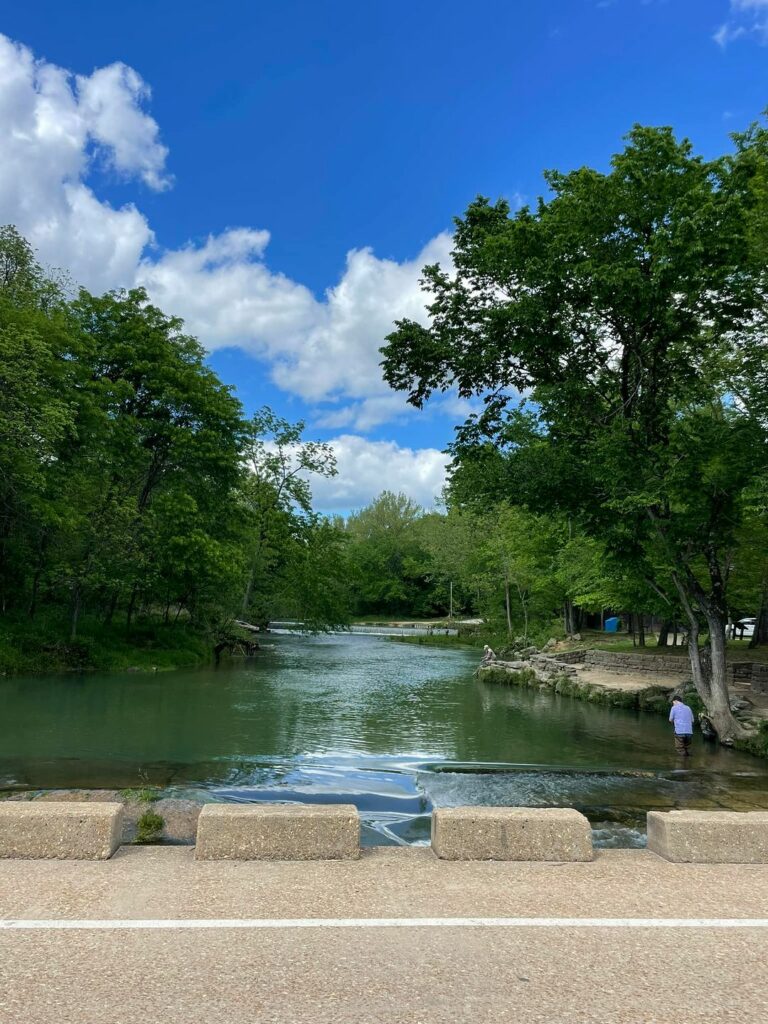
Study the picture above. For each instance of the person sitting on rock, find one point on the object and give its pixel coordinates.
(488, 655)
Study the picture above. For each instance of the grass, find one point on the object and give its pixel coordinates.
(738, 650)
(149, 828)
(144, 795)
(42, 645)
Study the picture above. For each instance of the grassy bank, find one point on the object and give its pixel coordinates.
(43, 646)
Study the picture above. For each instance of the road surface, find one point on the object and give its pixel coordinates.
(154, 937)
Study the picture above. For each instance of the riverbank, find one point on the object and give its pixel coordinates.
(42, 646)
(607, 682)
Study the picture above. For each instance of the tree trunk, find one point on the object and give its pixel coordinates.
(247, 594)
(112, 606)
(640, 630)
(31, 611)
(76, 601)
(507, 604)
(663, 640)
(569, 618)
(760, 635)
(131, 606)
(708, 664)
(524, 605)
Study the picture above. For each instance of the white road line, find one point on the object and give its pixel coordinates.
(386, 922)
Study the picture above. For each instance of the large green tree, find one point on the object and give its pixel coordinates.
(130, 481)
(623, 306)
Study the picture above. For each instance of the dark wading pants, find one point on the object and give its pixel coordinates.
(682, 742)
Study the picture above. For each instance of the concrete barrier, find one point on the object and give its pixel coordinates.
(60, 831)
(709, 837)
(278, 832)
(511, 833)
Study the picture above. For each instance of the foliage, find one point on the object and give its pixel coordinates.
(133, 489)
(628, 305)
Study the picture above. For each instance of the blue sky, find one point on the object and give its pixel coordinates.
(231, 156)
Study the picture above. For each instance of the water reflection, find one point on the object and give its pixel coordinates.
(395, 729)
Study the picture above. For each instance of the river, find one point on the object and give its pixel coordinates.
(393, 728)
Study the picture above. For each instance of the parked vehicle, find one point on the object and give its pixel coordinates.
(741, 630)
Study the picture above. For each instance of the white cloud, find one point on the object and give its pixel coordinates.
(317, 349)
(53, 127)
(56, 127)
(110, 102)
(366, 468)
(366, 415)
(747, 18)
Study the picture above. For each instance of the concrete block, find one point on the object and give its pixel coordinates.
(511, 833)
(709, 837)
(278, 832)
(60, 831)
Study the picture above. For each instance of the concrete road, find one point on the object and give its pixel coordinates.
(153, 937)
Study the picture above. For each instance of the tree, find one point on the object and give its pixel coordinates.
(284, 538)
(130, 482)
(623, 304)
(389, 564)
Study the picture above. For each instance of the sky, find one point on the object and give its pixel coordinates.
(277, 173)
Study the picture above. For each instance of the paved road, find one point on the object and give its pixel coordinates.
(526, 961)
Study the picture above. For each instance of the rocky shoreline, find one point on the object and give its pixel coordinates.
(623, 681)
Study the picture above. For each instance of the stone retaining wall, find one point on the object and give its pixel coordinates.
(644, 664)
(570, 657)
(759, 678)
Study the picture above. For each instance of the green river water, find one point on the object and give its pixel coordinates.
(393, 728)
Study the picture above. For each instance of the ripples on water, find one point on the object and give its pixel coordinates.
(394, 729)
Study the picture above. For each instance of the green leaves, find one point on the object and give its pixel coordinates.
(129, 478)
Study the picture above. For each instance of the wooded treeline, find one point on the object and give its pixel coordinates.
(132, 484)
(524, 573)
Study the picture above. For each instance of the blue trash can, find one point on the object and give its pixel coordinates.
(612, 624)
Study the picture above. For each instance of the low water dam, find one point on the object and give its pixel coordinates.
(394, 728)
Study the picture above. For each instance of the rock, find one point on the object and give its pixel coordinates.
(707, 729)
(79, 796)
(740, 705)
(528, 651)
(550, 644)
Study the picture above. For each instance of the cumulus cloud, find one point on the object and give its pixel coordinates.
(317, 349)
(54, 126)
(366, 468)
(747, 18)
(58, 126)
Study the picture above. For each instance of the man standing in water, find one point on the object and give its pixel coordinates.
(681, 717)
